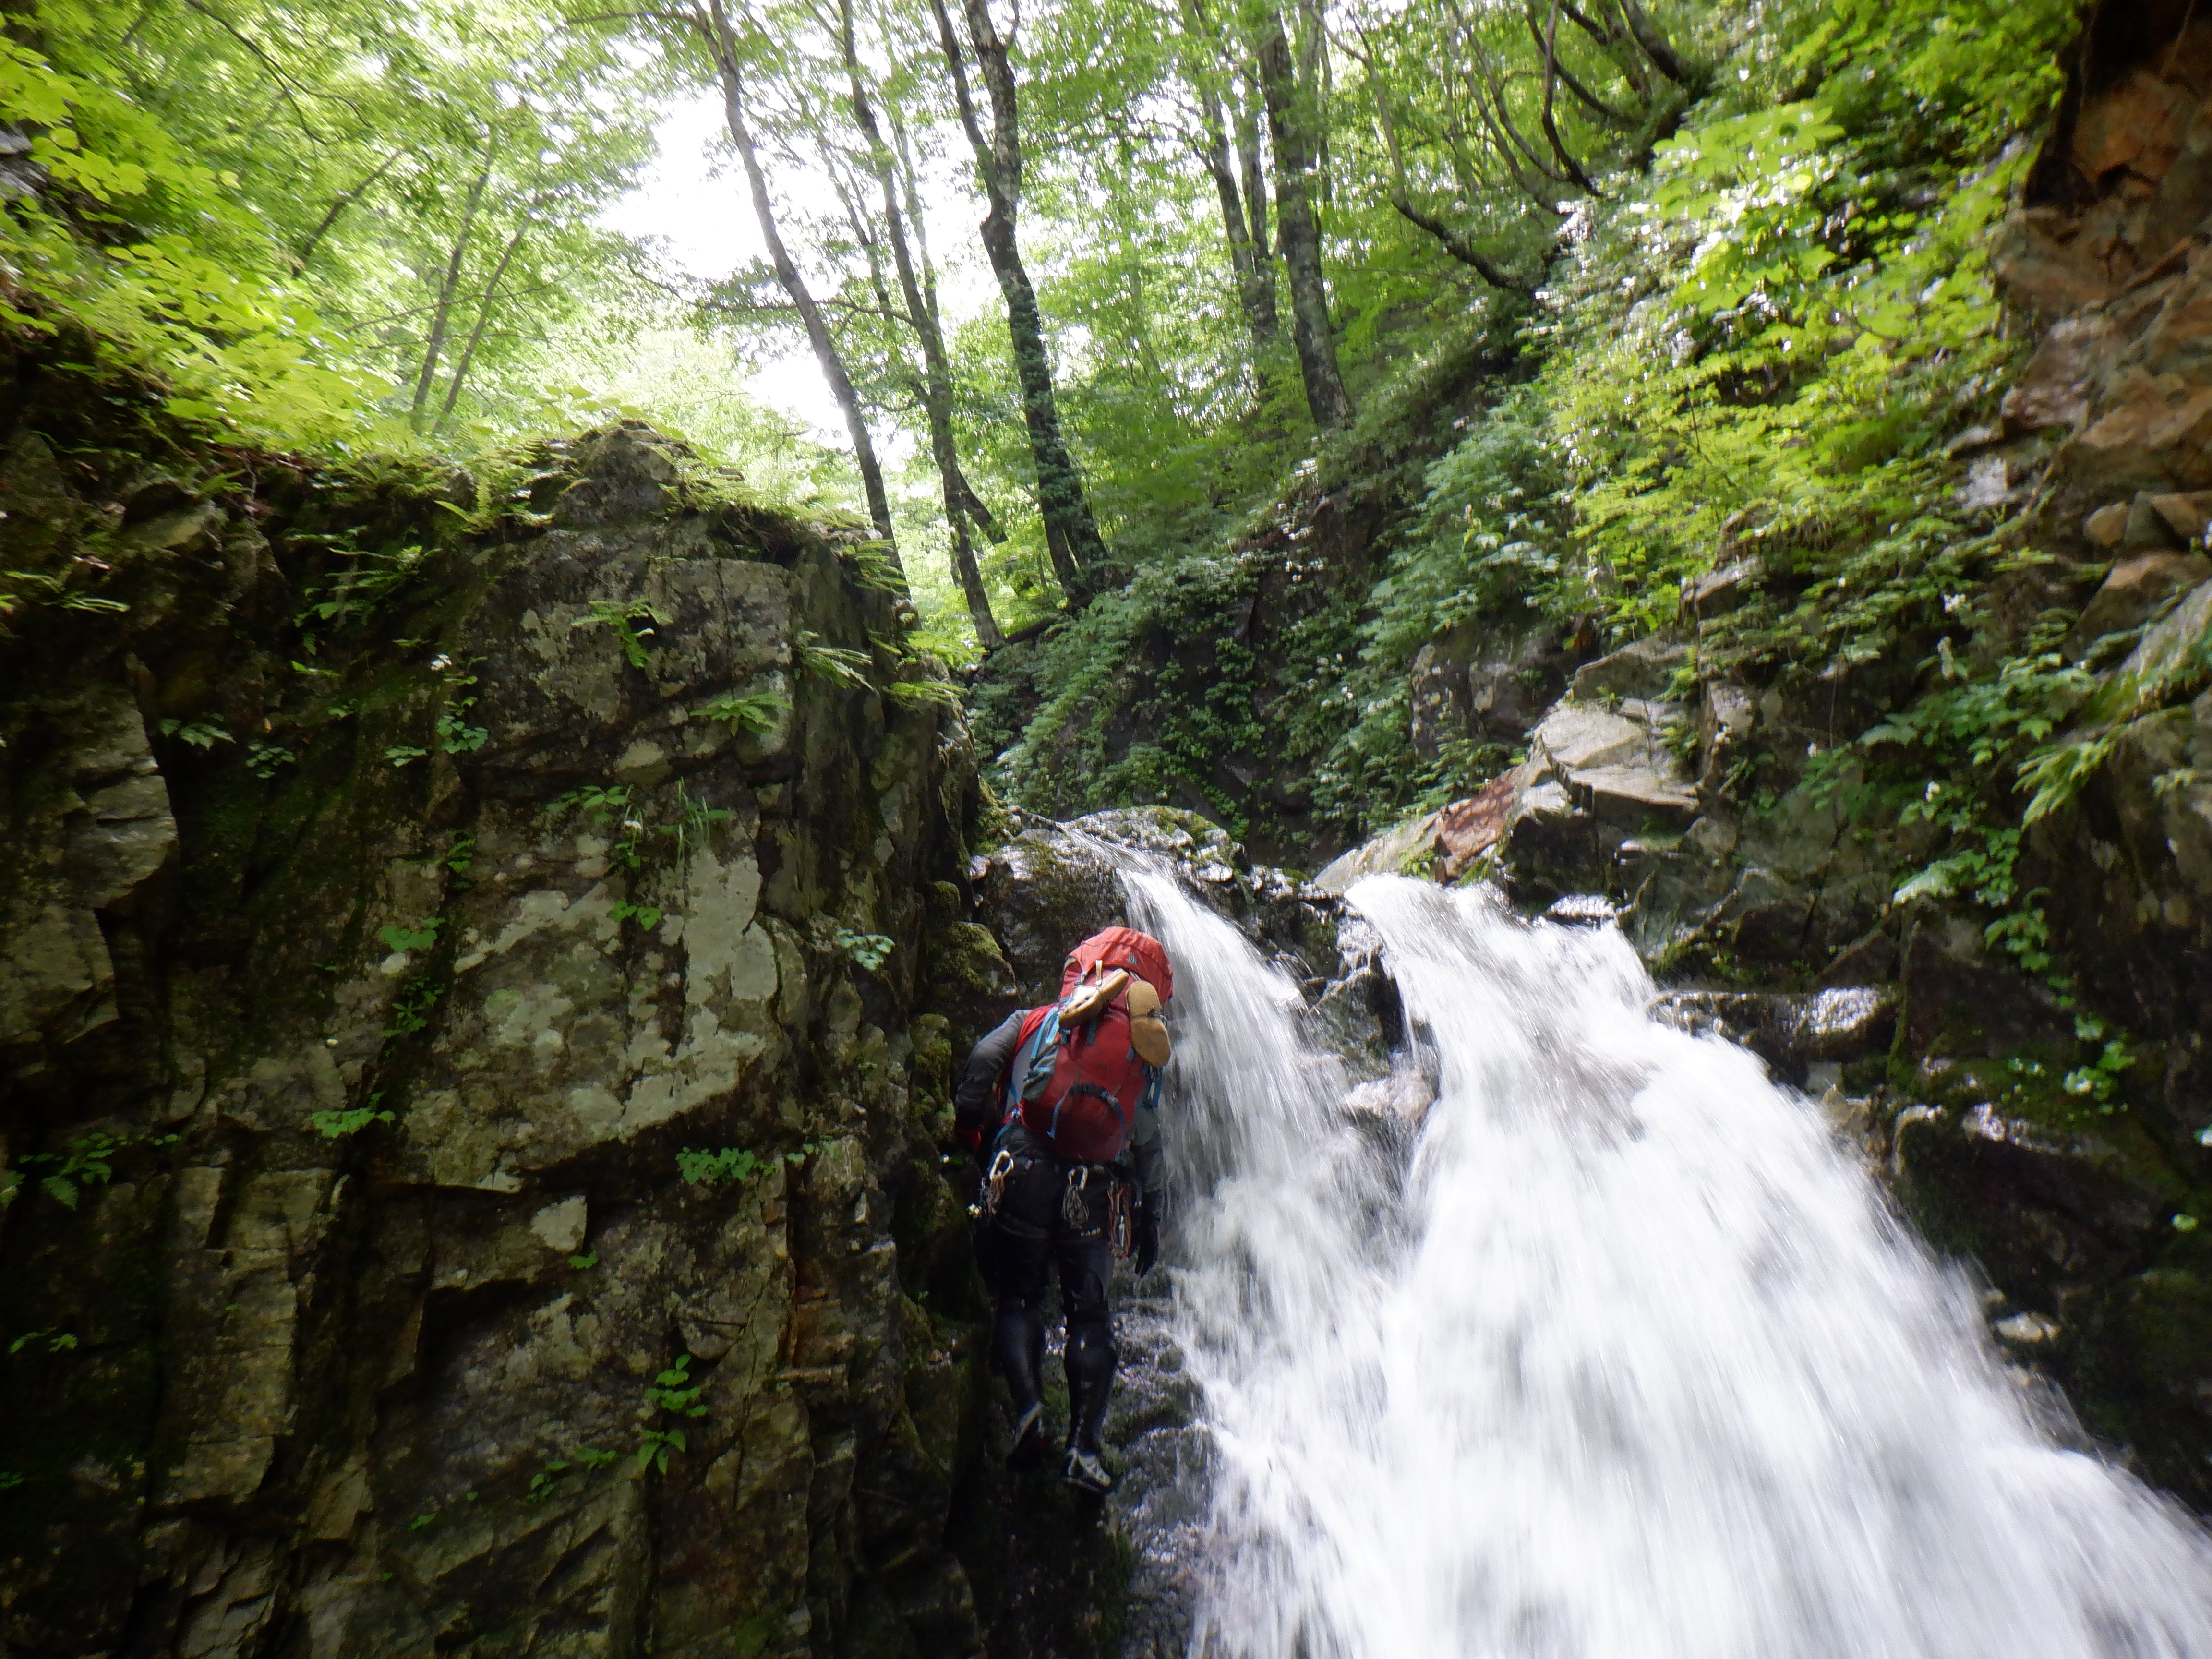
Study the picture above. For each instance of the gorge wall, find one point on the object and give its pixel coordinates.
(474, 1062)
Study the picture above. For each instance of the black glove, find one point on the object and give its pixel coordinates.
(1145, 1236)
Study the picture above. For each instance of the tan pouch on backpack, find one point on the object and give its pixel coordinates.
(1148, 1032)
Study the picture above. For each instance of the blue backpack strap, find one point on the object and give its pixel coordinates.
(1032, 1062)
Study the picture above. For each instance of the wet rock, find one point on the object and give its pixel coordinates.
(86, 837)
(2184, 515)
(1386, 854)
(1055, 883)
(1725, 719)
(1712, 838)
(2106, 524)
(1958, 1003)
(1485, 681)
(1791, 1033)
(2171, 661)
(397, 1045)
(1869, 961)
(2051, 1215)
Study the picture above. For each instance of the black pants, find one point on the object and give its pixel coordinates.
(1035, 1233)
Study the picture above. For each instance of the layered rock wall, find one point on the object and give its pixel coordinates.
(472, 1099)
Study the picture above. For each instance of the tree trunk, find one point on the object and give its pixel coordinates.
(979, 512)
(1301, 233)
(826, 355)
(346, 199)
(1255, 191)
(475, 334)
(1255, 286)
(441, 313)
(1071, 533)
(1255, 279)
(936, 389)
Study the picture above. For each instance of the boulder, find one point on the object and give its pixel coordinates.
(466, 1056)
(1467, 829)
(1386, 854)
(1957, 1002)
(1718, 592)
(1791, 1032)
(2136, 590)
(1644, 670)
(1487, 682)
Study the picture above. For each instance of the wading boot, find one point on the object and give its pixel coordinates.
(1090, 1358)
(1020, 1346)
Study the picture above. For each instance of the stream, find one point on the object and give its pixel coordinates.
(1575, 1336)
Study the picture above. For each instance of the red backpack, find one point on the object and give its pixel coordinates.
(1077, 1079)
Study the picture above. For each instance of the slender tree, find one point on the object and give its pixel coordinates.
(1249, 257)
(1071, 533)
(1289, 106)
(934, 388)
(714, 26)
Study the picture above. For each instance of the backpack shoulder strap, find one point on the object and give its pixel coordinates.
(1040, 1033)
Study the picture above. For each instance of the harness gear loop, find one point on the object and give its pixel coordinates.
(1121, 1217)
(994, 1185)
(1074, 1205)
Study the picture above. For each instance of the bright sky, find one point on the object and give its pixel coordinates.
(703, 216)
(693, 201)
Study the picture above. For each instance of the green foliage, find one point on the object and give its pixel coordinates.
(734, 1163)
(333, 228)
(597, 802)
(420, 936)
(870, 950)
(455, 735)
(351, 1120)
(711, 1168)
(673, 1390)
(633, 622)
(43, 588)
(201, 734)
(410, 1009)
(694, 820)
(756, 711)
(88, 1162)
(549, 1475)
(53, 1341)
(676, 1390)
(924, 694)
(265, 760)
(833, 664)
(647, 916)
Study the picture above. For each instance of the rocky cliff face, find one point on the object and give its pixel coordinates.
(472, 1084)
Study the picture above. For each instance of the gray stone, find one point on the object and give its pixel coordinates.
(1718, 592)
(1644, 670)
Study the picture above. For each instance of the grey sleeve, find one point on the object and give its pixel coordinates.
(976, 1096)
(1148, 1153)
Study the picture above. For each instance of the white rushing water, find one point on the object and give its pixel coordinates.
(1623, 1360)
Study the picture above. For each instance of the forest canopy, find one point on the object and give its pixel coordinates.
(1088, 281)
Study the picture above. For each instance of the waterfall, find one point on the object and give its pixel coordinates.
(1613, 1353)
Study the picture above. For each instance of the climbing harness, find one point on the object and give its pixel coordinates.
(1075, 1202)
(994, 1186)
(1120, 1222)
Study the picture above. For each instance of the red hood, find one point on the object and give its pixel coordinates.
(1122, 947)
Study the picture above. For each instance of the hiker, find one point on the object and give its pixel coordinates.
(1060, 1104)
